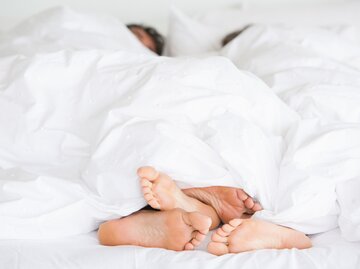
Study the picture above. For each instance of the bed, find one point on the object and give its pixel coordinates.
(83, 251)
(65, 168)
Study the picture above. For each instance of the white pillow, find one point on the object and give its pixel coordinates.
(188, 37)
(202, 33)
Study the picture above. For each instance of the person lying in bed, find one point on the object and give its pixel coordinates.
(148, 36)
(184, 217)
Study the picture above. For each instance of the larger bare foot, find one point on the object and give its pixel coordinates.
(161, 192)
(174, 230)
(229, 203)
(249, 234)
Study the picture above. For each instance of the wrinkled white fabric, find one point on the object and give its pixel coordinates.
(61, 27)
(349, 219)
(330, 251)
(77, 123)
(316, 71)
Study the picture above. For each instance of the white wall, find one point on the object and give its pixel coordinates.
(153, 12)
(147, 11)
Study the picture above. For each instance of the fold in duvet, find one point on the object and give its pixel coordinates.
(77, 122)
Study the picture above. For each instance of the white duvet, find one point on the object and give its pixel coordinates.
(316, 71)
(78, 116)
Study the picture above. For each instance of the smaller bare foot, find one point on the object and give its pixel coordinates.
(242, 235)
(174, 230)
(161, 192)
(229, 203)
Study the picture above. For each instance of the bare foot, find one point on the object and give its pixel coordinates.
(250, 234)
(174, 230)
(161, 192)
(229, 203)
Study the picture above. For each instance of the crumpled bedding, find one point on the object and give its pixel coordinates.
(76, 122)
(330, 251)
(316, 72)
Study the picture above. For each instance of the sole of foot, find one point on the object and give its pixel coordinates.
(229, 203)
(241, 235)
(173, 230)
(159, 190)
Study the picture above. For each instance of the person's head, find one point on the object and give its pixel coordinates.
(233, 35)
(150, 38)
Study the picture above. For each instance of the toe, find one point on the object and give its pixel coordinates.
(195, 242)
(227, 228)
(189, 246)
(154, 204)
(235, 222)
(221, 232)
(219, 244)
(149, 196)
(241, 194)
(257, 207)
(149, 193)
(218, 248)
(148, 172)
(200, 225)
(146, 190)
(249, 203)
(199, 236)
(145, 183)
(218, 238)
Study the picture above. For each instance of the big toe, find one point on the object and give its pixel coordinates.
(256, 207)
(251, 205)
(242, 194)
(148, 172)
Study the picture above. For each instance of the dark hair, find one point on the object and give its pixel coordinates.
(232, 35)
(155, 35)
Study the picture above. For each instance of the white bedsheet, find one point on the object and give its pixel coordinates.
(330, 251)
(77, 122)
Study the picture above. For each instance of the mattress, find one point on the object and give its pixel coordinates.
(84, 251)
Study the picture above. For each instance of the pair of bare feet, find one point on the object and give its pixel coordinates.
(186, 216)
